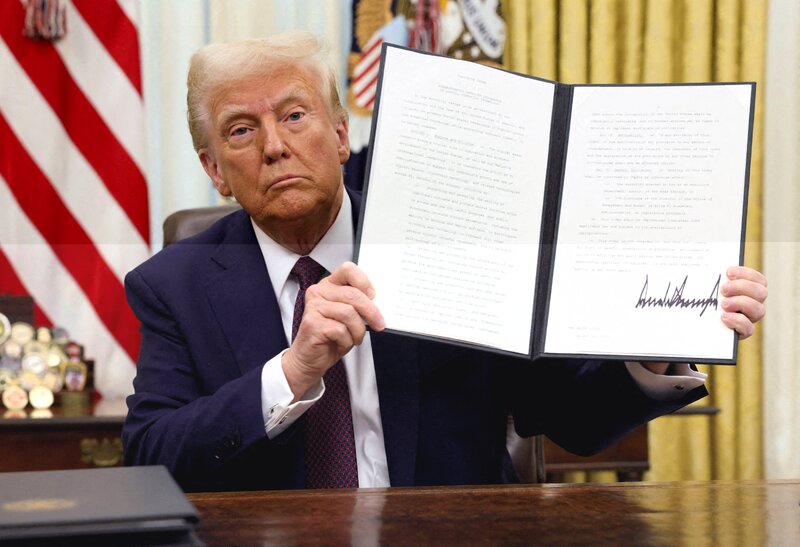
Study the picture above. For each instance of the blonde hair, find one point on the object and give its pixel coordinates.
(218, 65)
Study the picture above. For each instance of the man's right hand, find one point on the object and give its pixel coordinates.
(337, 312)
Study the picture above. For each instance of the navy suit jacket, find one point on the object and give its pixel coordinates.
(210, 320)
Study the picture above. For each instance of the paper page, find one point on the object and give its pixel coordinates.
(450, 236)
(652, 215)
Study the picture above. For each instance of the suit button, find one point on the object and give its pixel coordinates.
(679, 387)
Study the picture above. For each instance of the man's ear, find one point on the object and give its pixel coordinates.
(212, 170)
(343, 132)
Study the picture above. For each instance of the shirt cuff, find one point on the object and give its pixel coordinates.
(277, 408)
(666, 387)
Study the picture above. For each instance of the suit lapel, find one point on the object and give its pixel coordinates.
(248, 315)
(241, 294)
(242, 298)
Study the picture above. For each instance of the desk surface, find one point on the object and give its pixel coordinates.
(696, 514)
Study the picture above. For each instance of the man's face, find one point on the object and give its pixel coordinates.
(273, 145)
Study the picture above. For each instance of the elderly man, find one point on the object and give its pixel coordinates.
(254, 373)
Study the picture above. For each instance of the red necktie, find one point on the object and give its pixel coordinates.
(330, 451)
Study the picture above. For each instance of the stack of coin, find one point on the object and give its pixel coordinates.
(32, 362)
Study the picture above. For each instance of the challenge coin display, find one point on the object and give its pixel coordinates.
(5, 328)
(29, 380)
(41, 398)
(53, 380)
(55, 356)
(15, 398)
(7, 378)
(12, 350)
(22, 333)
(35, 346)
(44, 335)
(35, 364)
(75, 374)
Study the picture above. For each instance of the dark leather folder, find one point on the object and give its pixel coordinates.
(124, 505)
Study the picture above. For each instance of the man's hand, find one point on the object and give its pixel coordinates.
(742, 305)
(337, 312)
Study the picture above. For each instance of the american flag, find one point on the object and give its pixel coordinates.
(365, 74)
(73, 195)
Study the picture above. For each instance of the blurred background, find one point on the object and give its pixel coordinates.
(95, 153)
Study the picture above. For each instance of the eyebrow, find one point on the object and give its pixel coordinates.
(235, 111)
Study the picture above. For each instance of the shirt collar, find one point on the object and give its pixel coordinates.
(335, 247)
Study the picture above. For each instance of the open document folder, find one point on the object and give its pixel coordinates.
(535, 218)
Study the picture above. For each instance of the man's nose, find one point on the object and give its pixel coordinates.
(273, 146)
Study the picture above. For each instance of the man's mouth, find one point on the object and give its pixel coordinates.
(283, 180)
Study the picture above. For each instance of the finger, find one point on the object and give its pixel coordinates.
(752, 309)
(319, 344)
(743, 272)
(318, 335)
(345, 315)
(745, 287)
(740, 323)
(351, 296)
(350, 274)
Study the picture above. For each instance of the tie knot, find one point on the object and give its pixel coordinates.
(307, 272)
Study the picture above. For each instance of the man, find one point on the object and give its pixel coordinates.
(230, 391)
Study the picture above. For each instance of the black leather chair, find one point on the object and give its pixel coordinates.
(527, 455)
(188, 222)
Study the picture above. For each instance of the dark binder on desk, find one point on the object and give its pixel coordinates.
(120, 506)
(534, 218)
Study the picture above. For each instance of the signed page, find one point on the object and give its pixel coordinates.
(450, 233)
(651, 217)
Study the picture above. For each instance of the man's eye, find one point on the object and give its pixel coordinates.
(295, 116)
(238, 131)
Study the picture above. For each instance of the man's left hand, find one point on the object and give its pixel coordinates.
(742, 305)
(743, 300)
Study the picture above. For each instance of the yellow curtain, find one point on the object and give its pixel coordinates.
(634, 41)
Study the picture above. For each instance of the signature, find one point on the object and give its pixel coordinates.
(676, 298)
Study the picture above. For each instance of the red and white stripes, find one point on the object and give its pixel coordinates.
(73, 195)
(365, 73)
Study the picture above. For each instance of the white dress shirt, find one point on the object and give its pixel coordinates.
(335, 248)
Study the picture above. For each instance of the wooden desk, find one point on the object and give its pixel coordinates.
(76, 439)
(90, 437)
(669, 514)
